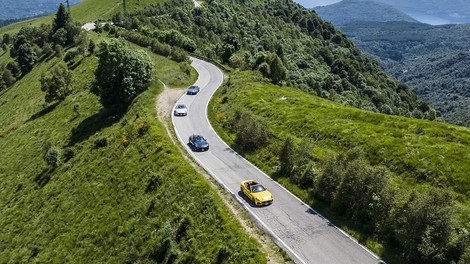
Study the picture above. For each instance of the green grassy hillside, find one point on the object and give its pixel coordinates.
(122, 191)
(415, 156)
(86, 11)
(419, 150)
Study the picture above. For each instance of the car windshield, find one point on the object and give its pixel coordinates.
(199, 138)
(257, 188)
(180, 106)
(193, 88)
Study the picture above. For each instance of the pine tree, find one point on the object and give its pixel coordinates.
(62, 19)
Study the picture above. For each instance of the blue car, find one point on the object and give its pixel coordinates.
(193, 90)
(198, 143)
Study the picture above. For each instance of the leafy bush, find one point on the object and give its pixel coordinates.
(424, 225)
(70, 55)
(52, 157)
(178, 55)
(175, 38)
(250, 131)
(27, 57)
(58, 83)
(60, 37)
(144, 127)
(122, 73)
(101, 142)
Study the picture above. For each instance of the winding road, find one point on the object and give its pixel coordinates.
(306, 235)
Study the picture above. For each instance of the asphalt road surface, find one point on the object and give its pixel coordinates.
(302, 232)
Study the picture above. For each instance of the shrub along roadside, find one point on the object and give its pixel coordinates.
(392, 163)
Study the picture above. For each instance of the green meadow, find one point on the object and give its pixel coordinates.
(122, 192)
(418, 154)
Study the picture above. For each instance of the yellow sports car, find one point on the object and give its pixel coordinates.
(256, 192)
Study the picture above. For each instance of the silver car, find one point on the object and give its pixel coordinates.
(181, 110)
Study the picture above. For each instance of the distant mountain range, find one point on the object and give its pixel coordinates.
(433, 12)
(348, 11)
(432, 60)
(15, 9)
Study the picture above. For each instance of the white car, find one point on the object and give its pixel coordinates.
(181, 110)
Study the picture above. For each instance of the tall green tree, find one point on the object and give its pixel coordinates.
(7, 78)
(60, 37)
(361, 192)
(26, 57)
(278, 71)
(122, 73)
(62, 19)
(424, 225)
(287, 155)
(58, 84)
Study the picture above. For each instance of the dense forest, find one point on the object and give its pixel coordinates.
(433, 60)
(289, 44)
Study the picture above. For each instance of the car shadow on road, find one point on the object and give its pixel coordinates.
(311, 211)
(248, 201)
(190, 146)
(230, 150)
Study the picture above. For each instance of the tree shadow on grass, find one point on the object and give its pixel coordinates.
(44, 177)
(44, 111)
(88, 127)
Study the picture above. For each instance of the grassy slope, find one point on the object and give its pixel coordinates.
(86, 11)
(418, 150)
(97, 206)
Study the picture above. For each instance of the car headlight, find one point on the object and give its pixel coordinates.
(257, 199)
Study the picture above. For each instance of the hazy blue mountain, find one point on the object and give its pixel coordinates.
(433, 60)
(315, 3)
(348, 11)
(434, 11)
(15, 9)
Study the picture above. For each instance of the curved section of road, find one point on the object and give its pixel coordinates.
(306, 235)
